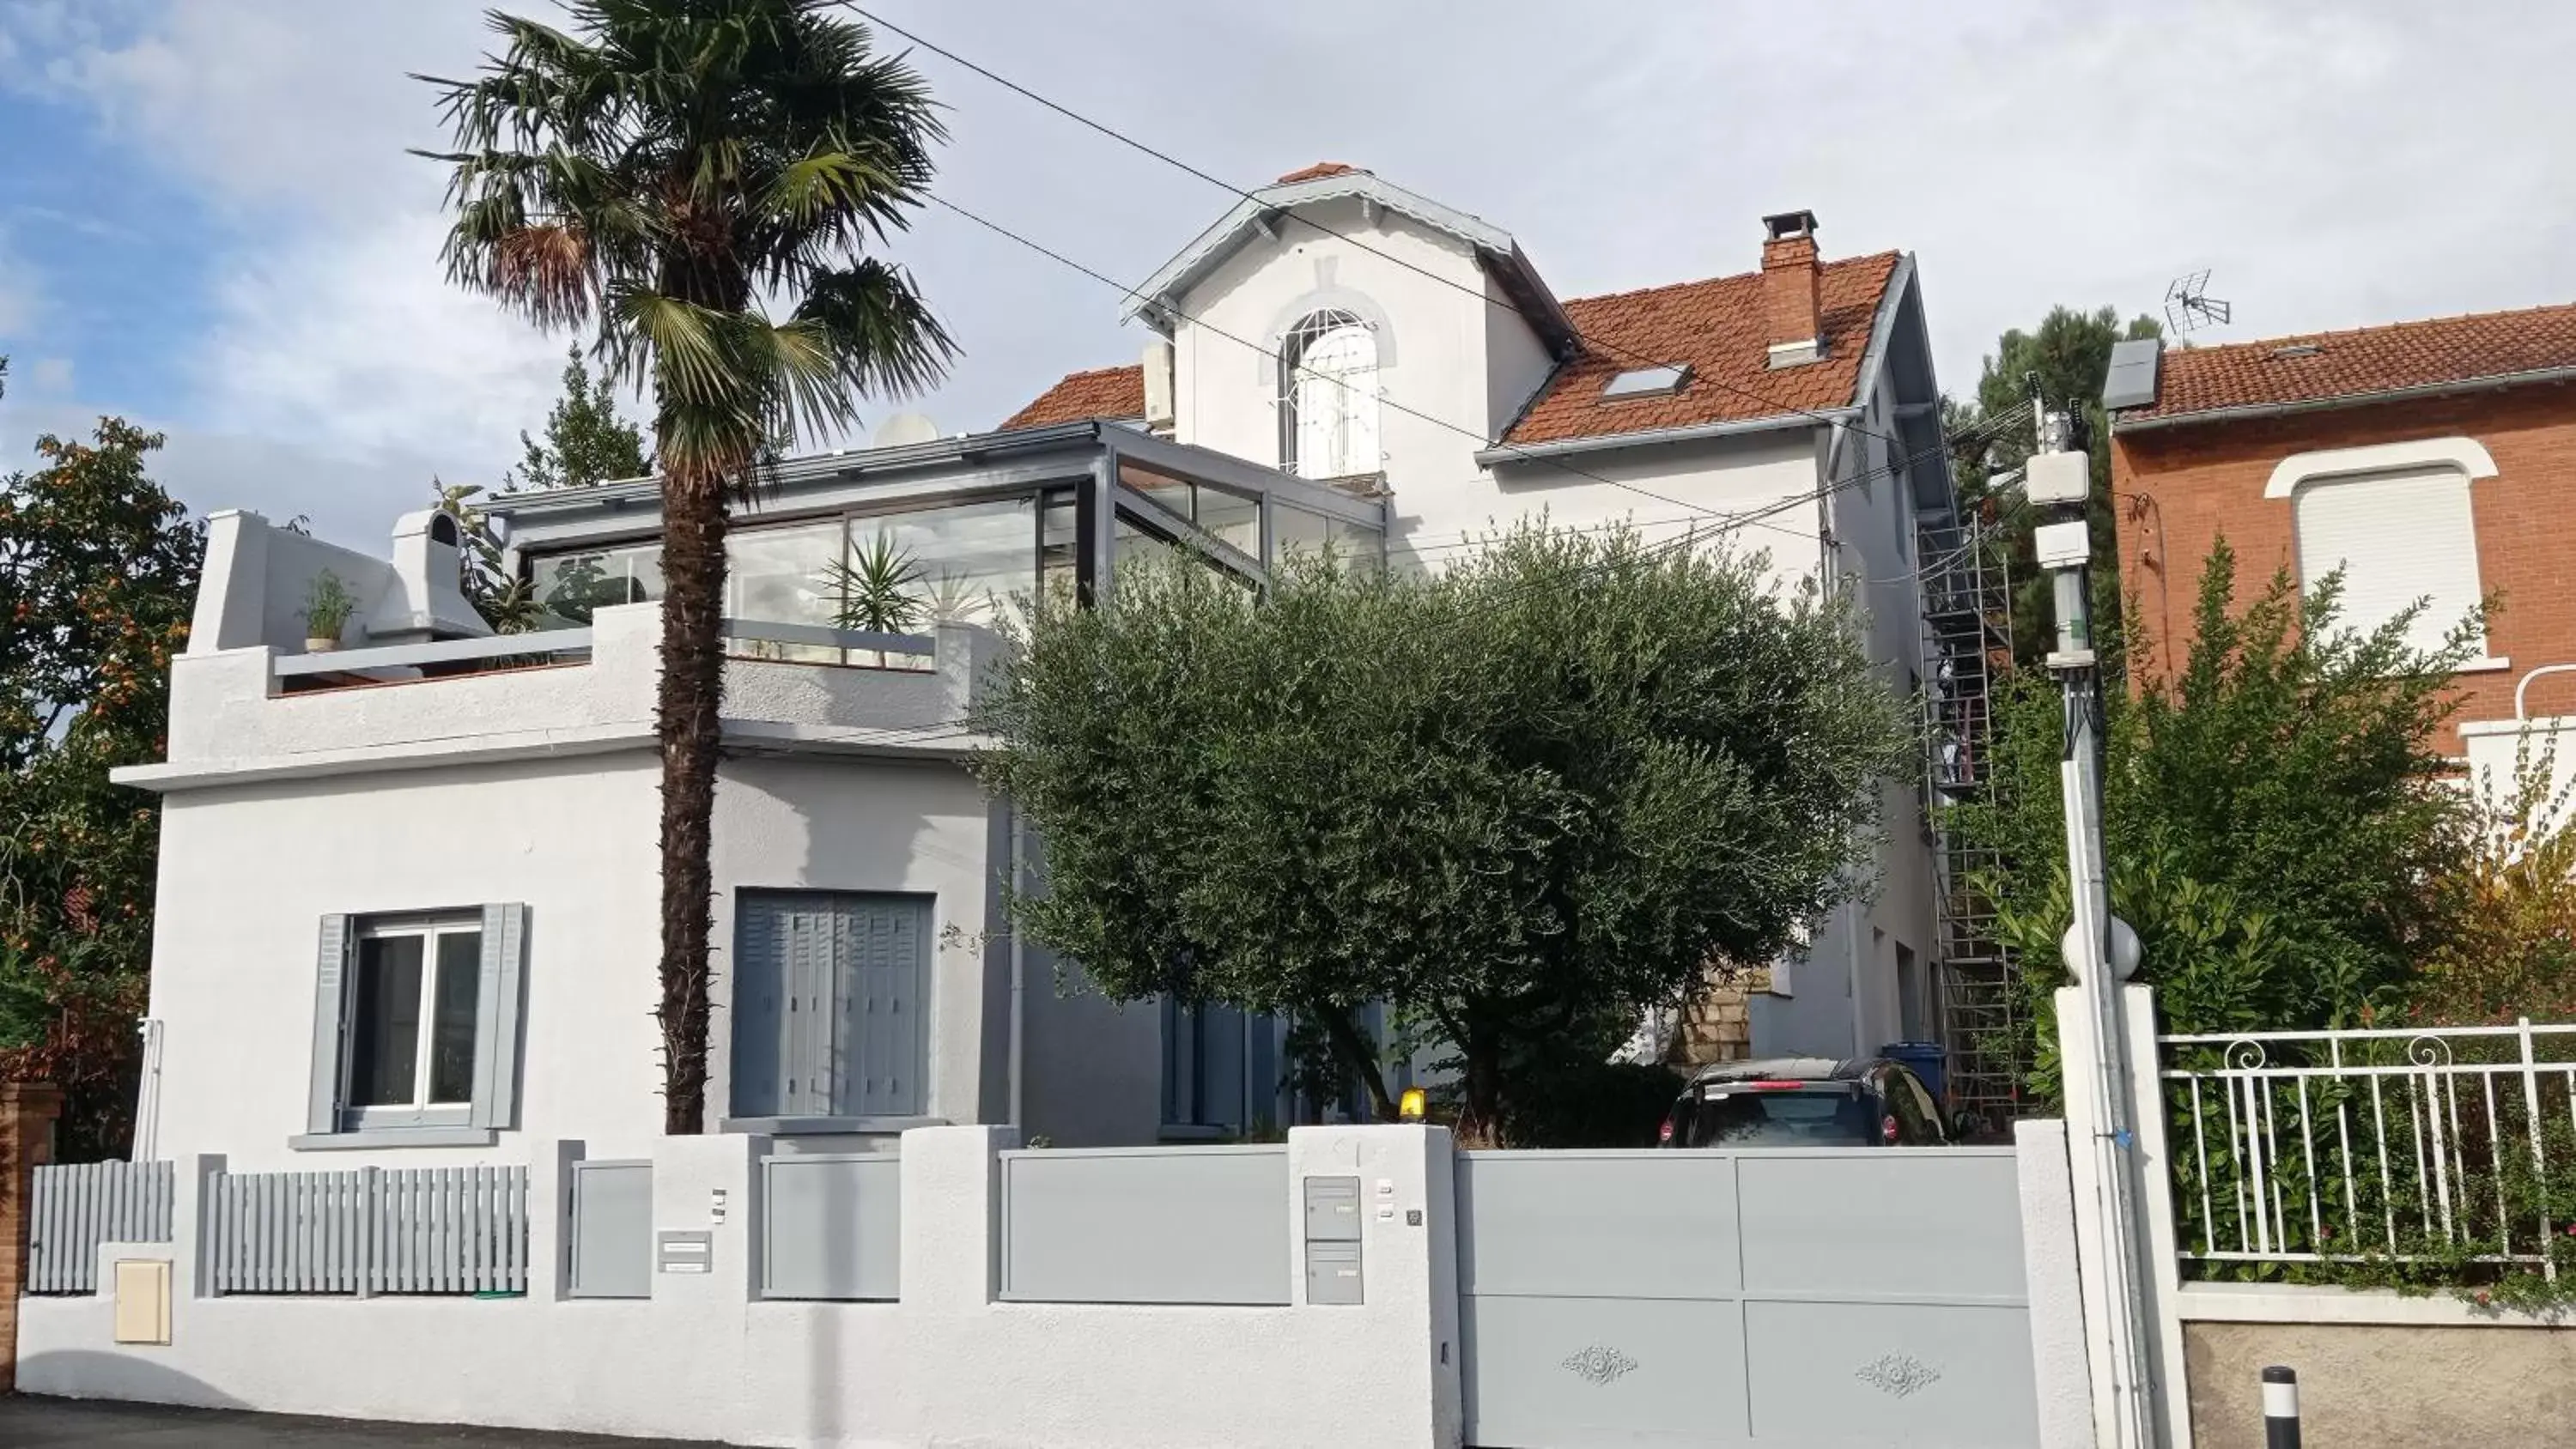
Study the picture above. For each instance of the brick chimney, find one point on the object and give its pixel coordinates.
(1790, 311)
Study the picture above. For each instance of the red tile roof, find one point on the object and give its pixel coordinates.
(1103, 392)
(1317, 171)
(2363, 361)
(1715, 326)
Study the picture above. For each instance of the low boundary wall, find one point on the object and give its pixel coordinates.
(898, 1330)
(707, 1356)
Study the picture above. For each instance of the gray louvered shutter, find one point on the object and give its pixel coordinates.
(759, 1014)
(883, 965)
(496, 1015)
(781, 1006)
(330, 1024)
(809, 930)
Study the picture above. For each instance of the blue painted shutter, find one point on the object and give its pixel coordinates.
(496, 1015)
(330, 1025)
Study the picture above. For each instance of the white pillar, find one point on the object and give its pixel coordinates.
(952, 1217)
(2059, 1373)
(1408, 1258)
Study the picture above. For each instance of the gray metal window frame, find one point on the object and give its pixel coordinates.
(1085, 459)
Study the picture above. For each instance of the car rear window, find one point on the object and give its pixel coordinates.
(1826, 1115)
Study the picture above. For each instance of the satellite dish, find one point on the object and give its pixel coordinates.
(902, 429)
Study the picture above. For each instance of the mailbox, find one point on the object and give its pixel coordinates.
(1333, 1273)
(1332, 1209)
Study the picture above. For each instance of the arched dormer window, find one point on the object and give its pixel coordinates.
(1328, 397)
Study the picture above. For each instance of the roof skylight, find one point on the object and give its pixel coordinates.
(1647, 382)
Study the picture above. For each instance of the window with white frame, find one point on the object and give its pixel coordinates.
(2400, 537)
(415, 1027)
(411, 1016)
(1329, 397)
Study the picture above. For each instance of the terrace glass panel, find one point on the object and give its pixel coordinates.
(784, 576)
(573, 585)
(973, 563)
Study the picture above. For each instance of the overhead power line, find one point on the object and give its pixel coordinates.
(1479, 294)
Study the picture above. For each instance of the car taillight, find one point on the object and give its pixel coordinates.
(1887, 1129)
(1773, 1086)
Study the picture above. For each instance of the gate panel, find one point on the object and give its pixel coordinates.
(1683, 1299)
(1890, 1373)
(1907, 1221)
(612, 1230)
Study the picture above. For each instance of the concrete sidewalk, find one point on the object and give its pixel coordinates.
(26, 1423)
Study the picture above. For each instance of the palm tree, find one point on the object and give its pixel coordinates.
(702, 179)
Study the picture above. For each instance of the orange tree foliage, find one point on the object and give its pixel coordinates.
(98, 572)
(2508, 904)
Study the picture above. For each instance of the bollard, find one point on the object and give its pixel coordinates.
(2280, 1408)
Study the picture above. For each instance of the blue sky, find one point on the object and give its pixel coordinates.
(89, 243)
(207, 223)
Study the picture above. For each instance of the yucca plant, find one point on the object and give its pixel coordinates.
(873, 589)
(702, 181)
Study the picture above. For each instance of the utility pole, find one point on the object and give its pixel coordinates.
(2100, 950)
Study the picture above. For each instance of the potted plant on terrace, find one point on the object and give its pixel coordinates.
(327, 607)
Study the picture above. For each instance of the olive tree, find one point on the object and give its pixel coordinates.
(1563, 779)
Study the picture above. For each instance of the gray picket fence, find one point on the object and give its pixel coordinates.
(77, 1206)
(428, 1230)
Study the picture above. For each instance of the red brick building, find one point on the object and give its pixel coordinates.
(2429, 459)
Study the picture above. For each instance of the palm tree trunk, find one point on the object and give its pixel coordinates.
(686, 725)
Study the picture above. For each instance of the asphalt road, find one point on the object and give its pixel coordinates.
(33, 1423)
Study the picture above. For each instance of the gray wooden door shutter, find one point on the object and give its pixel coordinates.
(782, 1036)
(330, 1024)
(827, 1005)
(759, 1012)
(496, 1015)
(805, 1048)
(881, 1020)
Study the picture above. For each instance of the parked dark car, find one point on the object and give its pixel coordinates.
(1805, 1102)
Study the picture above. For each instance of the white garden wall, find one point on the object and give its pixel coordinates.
(947, 1365)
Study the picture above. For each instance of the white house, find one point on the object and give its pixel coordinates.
(408, 909)
(1349, 330)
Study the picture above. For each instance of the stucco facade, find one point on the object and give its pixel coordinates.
(304, 795)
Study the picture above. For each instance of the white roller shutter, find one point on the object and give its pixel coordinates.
(2398, 537)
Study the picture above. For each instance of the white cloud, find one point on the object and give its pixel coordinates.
(50, 376)
(332, 333)
(348, 498)
(2334, 165)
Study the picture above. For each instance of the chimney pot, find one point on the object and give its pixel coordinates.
(1792, 312)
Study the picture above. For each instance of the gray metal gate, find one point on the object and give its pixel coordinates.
(612, 1230)
(1679, 1299)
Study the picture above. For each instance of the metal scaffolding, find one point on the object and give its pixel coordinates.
(1967, 619)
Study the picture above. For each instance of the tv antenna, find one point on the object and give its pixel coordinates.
(2188, 305)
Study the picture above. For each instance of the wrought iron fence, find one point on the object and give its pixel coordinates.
(452, 1230)
(77, 1206)
(2452, 1146)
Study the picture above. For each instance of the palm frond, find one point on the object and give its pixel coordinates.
(879, 326)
